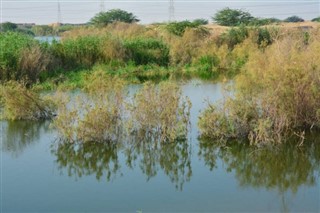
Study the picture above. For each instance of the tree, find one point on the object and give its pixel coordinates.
(114, 15)
(8, 26)
(294, 19)
(200, 21)
(230, 17)
(178, 28)
(316, 19)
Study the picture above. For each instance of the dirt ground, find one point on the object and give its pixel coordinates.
(217, 29)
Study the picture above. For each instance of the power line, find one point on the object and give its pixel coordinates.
(171, 11)
(59, 14)
(102, 7)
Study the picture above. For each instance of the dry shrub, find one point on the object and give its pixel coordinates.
(83, 31)
(184, 49)
(20, 103)
(32, 62)
(280, 92)
(112, 49)
(117, 29)
(126, 30)
(94, 116)
(160, 113)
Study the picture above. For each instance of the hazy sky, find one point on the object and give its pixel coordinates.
(80, 11)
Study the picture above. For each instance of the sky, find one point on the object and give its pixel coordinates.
(149, 11)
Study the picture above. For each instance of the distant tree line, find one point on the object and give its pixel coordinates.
(224, 17)
(236, 17)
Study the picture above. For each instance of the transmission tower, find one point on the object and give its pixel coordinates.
(59, 14)
(102, 7)
(171, 11)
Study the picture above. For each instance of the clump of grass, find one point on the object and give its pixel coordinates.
(85, 51)
(21, 57)
(234, 36)
(95, 117)
(147, 51)
(160, 113)
(178, 28)
(276, 97)
(20, 103)
(184, 49)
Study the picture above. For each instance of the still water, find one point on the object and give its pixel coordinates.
(48, 39)
(39, 174)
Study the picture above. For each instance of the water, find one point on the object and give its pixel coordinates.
(48, 39)
(39, 174)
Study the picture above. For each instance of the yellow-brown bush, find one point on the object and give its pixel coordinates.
(160, 113)
(279, 89)
(20, 103)
(96, 115)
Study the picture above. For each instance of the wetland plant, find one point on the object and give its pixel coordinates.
(160, 113)
(277, 96)
(20, 103)
(96, 115)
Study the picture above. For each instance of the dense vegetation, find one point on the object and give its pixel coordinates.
(230, 17)
(316, 19)
(12, 27)
(157, 113)
(294, 19)
(276, 74)
(111, 16)
(276, 96)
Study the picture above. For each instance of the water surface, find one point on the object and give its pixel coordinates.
(39, 174)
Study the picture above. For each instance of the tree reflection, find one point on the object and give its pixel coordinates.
(17, 135)
(283, 168)
(101, 159)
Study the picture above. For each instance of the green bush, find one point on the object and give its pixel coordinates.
(8, 26)
(200, 21)
(263, 37)
(263, 21)
(178, 28)
(145, 51)
(21, 57)
(234, 36)
(207, 66)
(82, 51)
(294, 19)
(230, 17)
(316, 19)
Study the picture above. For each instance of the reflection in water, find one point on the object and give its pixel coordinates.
(174, 159)
(81, 159)
(17, 135)
(101, 159)
(283, 168)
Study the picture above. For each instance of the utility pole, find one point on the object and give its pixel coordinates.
(171, 11)
(59, 21)
(102, 7)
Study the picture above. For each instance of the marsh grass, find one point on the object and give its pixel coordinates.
(103, 113)
(160, 113)
(94, 116)
(276, 96)
(20, 103)
(21, 58)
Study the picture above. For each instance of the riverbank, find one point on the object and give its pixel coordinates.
(139, 53)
